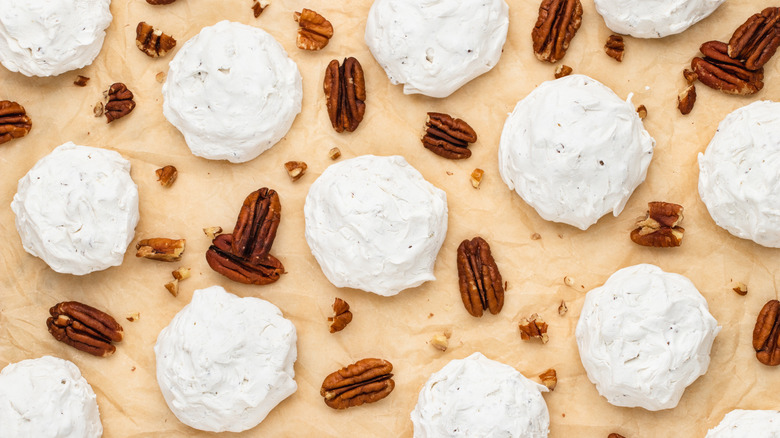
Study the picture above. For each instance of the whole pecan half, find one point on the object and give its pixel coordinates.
(756, 41)
(557, 24)
(84, 327)
(660, 228)
(481, 287)
(243, 255)
(766, 334)
(14, 122)
(365, 381)
(448, 137)
(314, 31)
(153, 42)
(341, 316)
(120, 102)
(719, 71)
(345, 94)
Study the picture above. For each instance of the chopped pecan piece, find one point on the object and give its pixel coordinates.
(259, 6)
(660, 227)
(533, 327)
(481, 287)
(120, 102)
(153, 42)
(562, 71)
(14, 122)
(448, 137)
(549, 379)
(756, 41)
(690, 76)
(686, 100)
(182, 273)
(741, 289)
(365, 381)
(212, 232)
(615, 435)
(476, 177)
(642, 111)
(345, 94)
(160, 2)
(557, 24)
(173, 287)
(243, 256)
(295, 169)
(766, 334)
(440, 341)
(341, 316)
(562, 309)
(81, 81)
(84, 327)
(615, 47)
(334, 153)
(314, 31)
(166, 175)
(719, 71)
(133, 317)
(161, 248)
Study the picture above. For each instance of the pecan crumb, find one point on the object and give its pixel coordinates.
(314, 31)
(642, 111)
(173, 287)
(440, 341)
(615, 47)
(133, 317)
(549, 379)
(690, 76)
(81, 81)
(14, 121)
(153, 42)
(341, 315)
(660, 227)
(686, 100)
(741, 289)
(160, 2)
(562, 309)
(166, 175)
(160, 77)
(212, 232)
(161, 248)
(98, 109)
(562, 71)
(615, 435)
(259, 6)
(182, 273)
(536, 236)
(476, 177)
(295, 169)
(533, 327)
(334, 153)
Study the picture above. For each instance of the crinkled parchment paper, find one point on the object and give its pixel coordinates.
(209, 193)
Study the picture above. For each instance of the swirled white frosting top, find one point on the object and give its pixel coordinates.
(434, 47)
(224, 362)
(479, 397)
(47, 397)
(741, 423)
(232, 91)
(739, 173)
(50, 37)
(654, 18)
(574, 151)
(644, 336)
(77, 209)
(374, 223)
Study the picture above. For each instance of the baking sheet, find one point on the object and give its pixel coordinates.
(209, 193)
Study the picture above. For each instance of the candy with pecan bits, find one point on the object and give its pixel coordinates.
(345, 94)
(660, 228)
(153, 42)
(756, 41)
(161, 248)
(556, 26)
(84, 327)
(447, 136)
(314, 31)
(766, 334)
(14, 122)
(341, 316)
(719, 71)
(120, 102)
(365, 381)
(481, 287)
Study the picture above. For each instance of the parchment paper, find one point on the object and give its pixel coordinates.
(209, 193)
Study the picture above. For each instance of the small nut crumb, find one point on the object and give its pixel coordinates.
(476, 177)
(259, 6)
(686, 100)
(549, 379)
(690, 76)
(334, 153)
(430, 315)
(533, 327)
(295, 169)
(341, 316)
(212, 232)
(568, 281)
(615, 47)
(440, 342)
(132, 369)
(642, 111)
(98, 109)
(173, 287)
(160, 77)
(449, 173)
(182, 273)
(161, 248)
(81, 81)
(133, 317)
(562, 70)
(562, 309)
(741, 289)
(536, 236)
(167, 175)
(314, 31)
(615, 435)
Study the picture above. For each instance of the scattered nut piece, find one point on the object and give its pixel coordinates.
(447, 136)
(449, 173)
(766, 334)
(182, 273)
(568, 281)
(166, 175)
(160, 77)
(153, 42)
(549, 379)
(741, 289)
(133, 317)
(295, 169)
(334, 153)
(173, 287)
(314, 31)
(161, 248)
(615, 47)
(341, 316)
(81, 81)
(562, 71)
(476, 177)
(98, 109)
(562, 309)
(690, 76)
(686, 100)
(660, 227)
(120, 102)
(160, 2)
(14, 122)
(259, 6)
(615, 435)
(440, 342)
(84, 328)
(536, 236)
(212, 232)
(533, 327)
(642, 111)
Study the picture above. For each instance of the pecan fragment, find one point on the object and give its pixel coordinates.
(642, 111)
(212, 232)
(182, 273)
(447, 136)
(334, 153)
(615, 435)
(440, 341)
(295, 169)
(259, 6)
(719, 71)
(615, 47)
(686, 100)
(549, 379)
(120, 102)
(160, 2)
(133, 317)
(166, 175)
(84, 327)
(533, 327)
(756, 41)
(14, 122)
(480, 282)
(173, 287)
(562, 309)
(81, 81)
(341, 316)
(766, 334)
(314, 31)
(660, 227)
(562, 71)
(345, 94)
(153, 42)
(161, 248)
(556, 26)
(243, 255)
(365, 381)
(690, 76)
(476, 177)
(741, 289)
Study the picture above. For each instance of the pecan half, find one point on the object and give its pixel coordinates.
(686, 99)
(549, 379)
(259, 6)
(615, 47)
(766, 334)
(719, 71)
(314, 31)
(660, 227)
(345, 94)
(756, 41)
(365, 381)
(557, 24)
(341, 316)
(161, 248)
(14, 122)
(481, 287)
(166, 175)
(447, 136)
(120, 102)
(243, 255)
(533, 327)
(153, 42)
(84, 327)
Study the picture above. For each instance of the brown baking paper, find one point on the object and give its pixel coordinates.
(210, 193)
